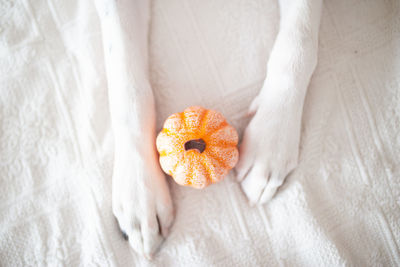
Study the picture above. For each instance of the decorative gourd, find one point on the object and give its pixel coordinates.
(197, 147)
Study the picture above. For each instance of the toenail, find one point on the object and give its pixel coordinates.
(124, 235)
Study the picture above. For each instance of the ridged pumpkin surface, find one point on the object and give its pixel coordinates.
(184, 136)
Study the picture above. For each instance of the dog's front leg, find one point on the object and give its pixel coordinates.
(140, 196)
(270, 146)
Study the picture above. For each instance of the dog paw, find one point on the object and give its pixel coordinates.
(141, 200)
(270, 146)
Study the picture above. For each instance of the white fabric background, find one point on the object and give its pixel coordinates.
(340, 206)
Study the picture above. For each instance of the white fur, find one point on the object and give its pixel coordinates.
(270, 146)
(140, 194)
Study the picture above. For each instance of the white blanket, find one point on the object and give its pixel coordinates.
(340, 206)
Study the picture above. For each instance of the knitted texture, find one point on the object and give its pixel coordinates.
(339, 207)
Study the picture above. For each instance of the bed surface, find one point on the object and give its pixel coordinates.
(339, 207)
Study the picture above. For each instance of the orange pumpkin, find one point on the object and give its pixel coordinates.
(197, 147)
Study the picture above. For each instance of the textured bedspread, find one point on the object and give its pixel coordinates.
(341, 206)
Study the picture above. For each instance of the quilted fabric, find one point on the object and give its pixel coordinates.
(339, 207)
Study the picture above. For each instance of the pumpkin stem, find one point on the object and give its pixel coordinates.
(198, 144)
